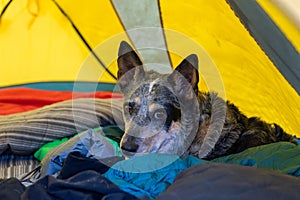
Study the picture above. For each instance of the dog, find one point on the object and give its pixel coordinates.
(166, 113)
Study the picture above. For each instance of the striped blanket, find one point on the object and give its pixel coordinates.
(22, 133)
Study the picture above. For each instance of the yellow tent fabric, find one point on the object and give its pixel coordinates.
(39, 44)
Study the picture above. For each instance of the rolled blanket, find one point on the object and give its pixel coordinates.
(24, 133)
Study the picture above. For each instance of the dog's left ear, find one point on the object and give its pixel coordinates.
(185, 76)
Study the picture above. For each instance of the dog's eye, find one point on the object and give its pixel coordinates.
(159, 114)
(128, 107)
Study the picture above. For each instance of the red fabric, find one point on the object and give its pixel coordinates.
(15, 100)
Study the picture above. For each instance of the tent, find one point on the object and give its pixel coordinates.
(253, 44)
(54, 50)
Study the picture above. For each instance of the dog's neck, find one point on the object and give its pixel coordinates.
(211, 121)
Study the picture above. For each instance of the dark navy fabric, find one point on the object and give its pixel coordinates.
(232, 182)
(76, 162)
(11, 189)
(86, 185)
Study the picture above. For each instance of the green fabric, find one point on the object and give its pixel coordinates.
(42, 152)
(112, 133)
(283, 157)
(116, 146)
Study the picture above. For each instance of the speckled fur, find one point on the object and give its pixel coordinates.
(207, 126)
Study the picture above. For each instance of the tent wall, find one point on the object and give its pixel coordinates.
(39, 44)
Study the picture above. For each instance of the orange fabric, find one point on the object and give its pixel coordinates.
(15, 100)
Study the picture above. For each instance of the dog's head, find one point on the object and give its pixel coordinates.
(160, 110)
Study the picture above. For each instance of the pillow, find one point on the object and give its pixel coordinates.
(24, 133)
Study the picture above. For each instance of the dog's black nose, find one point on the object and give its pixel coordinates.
(130, 146)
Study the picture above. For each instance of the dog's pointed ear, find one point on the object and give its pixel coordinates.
(130, 66)
(127, 59)
(185, 76)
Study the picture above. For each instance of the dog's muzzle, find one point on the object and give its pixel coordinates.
(129, 145)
